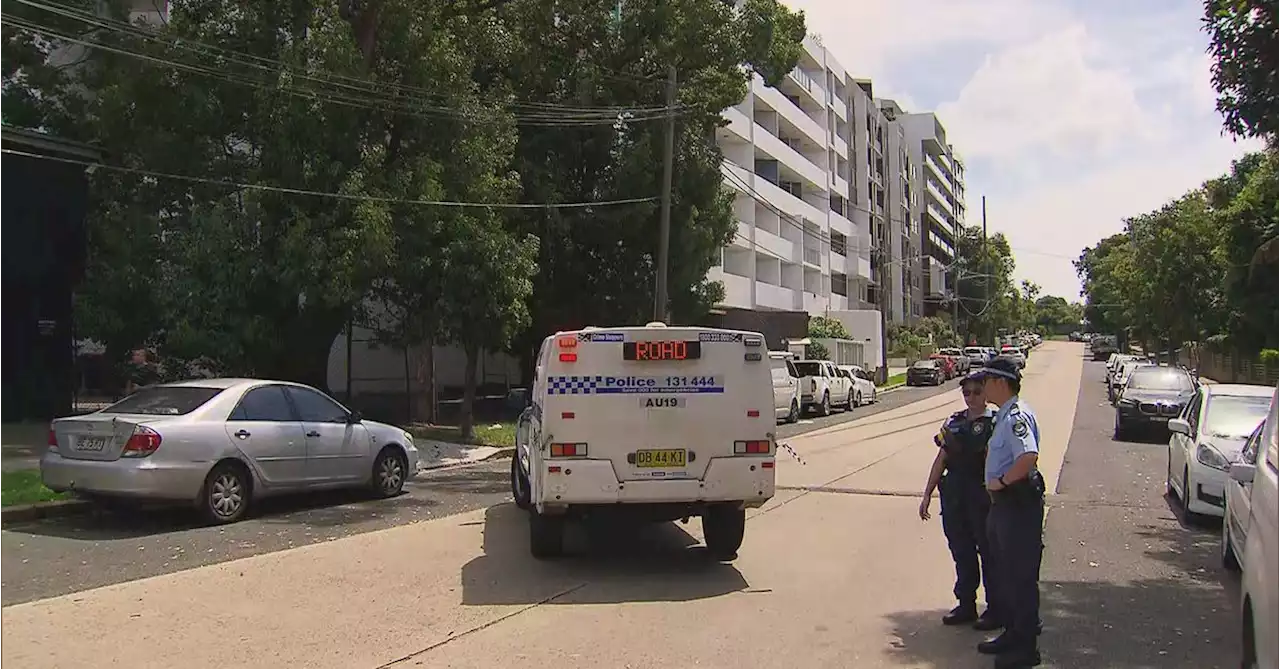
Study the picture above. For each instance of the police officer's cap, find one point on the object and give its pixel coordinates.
(1001, 368)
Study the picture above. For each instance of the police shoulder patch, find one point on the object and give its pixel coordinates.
(979, 427)
(1020, 428)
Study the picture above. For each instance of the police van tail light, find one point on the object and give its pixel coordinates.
(568, 357)
(758, 447)
(568, 450)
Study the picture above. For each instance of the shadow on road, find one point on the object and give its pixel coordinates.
(322, 509)
(605, 564)
(1091, 625)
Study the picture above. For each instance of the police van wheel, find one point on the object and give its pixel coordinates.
(546, 535)
(723, 527)
(519, 484)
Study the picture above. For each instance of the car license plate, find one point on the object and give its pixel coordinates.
(1160, 419)
(91, 443)
(665, 458)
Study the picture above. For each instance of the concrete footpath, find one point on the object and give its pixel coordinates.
(836, 571)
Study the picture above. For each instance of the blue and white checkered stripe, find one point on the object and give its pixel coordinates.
(573, 385)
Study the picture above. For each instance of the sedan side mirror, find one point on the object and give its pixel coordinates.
(354, 418)
(1180, 426)
(1242, 472)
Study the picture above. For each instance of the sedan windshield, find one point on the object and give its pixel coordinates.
(164, 401)
(925, 364)
(1234, 416)
(1154, 378)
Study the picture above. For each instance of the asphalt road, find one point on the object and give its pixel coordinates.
(62, 555)
(1126, 583)
(890, 400)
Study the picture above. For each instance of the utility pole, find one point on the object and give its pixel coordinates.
(664, 223)
(986, 263)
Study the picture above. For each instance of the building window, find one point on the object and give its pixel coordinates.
(839, 284)
(839, 244)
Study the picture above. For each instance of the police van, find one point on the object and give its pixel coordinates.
(652, 423)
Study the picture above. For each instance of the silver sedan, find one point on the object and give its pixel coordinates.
(222, 443)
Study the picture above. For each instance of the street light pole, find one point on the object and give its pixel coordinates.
(660, 312)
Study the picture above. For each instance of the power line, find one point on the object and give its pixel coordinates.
(341, 196)
(268, 64)
(384, 105)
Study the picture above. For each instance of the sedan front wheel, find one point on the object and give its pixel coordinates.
(389, 473)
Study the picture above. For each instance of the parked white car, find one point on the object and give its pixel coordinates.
(822, 386)
(1208, 436)
(864, 388)
(1259, 585)
(786, 386)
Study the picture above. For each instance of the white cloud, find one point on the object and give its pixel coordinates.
(1074, 116)
(1048, 95)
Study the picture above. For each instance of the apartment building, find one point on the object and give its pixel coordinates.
(801, 244)
(938, 212)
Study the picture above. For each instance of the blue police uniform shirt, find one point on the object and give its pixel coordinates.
(1014, 433)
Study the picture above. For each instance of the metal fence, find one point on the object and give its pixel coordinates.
(1229, 366)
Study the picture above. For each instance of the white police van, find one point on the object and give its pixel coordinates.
(653, 423)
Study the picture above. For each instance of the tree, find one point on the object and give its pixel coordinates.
(596, 265)
(821, 327)
(1242, 35)
(1244, 204)
(985, 287)
(1055, 314)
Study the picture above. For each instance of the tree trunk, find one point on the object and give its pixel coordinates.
(466, 422)
(424, 406)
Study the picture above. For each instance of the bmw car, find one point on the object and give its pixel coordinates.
(1150, 397)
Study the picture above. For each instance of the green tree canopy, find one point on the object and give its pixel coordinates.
(1242, 35)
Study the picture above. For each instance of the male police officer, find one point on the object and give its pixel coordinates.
(1017, 516)
(958, 467)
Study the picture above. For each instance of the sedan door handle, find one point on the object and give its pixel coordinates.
(313, 433)
(243, 434)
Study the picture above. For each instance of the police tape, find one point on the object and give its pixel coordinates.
(793, 453)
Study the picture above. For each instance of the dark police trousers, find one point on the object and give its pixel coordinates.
(965, 503)
(1015, 532)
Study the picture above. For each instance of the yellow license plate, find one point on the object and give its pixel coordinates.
(666, 458)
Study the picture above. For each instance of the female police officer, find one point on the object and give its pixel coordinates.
(1015, 523)
(958, 471)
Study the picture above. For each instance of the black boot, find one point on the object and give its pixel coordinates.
(998, 645)
(987, 622)
(1020, 657)
(961, 615)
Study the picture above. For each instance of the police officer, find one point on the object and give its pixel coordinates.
(1015, 522)
(958, 471)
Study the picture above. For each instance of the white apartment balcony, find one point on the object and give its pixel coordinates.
(794, 160)
(780, 247)
(775, 297)
(935, 278)
(787, 202)
(840, 224)
(813, 257)
(815, 304)
(807, 85)
(739, 124)
(943, 202)
(840, 146)
(840, 108)
(839, 186)
(775, 100)
(737, 289)
(938, 172)
(939, 217)
(862, 268)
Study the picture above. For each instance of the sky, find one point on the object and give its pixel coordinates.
(1070, 116)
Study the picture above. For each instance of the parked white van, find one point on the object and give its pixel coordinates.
(656, 423)
(786, 386)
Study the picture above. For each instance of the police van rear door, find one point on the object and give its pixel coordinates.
(661, 402)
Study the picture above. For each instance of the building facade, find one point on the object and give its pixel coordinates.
(837, 207)
(800, 245)
(939, 210)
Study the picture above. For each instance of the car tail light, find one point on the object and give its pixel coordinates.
(568, 450)
(143, 442)
(53, 439)
(753, 413)
(757, 447)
